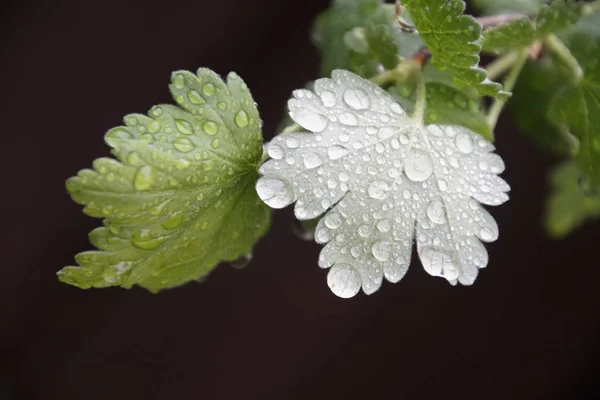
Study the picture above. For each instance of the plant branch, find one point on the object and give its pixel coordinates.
(555, 45)
(501, 64)
(501, 19)
(401, 73)
(509, 84)
(421, 102)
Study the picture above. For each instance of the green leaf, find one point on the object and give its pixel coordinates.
(446, 105)
(523, 32)
(181, 196)
(576, 107)
(538, 83)
(568, 205)
(453, 39)
(493, 7)
(360, 35)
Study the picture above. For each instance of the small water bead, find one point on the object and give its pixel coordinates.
(241, 119)
(357, 99)
(184, 126)
(443, 185)
(436, 212)
(348, 119)
(274, 192)
(195, 97)
(310, 120)
(209, 89)
(364, 231)
(133, 158)
(393, 173)
(381, 250)
(343, 280)
(154, 126)
(386, 132)
(418, 165)
(483, 166)
(331, 183)
(378, 190)
(275, 152)
(312, 160)
(395, 107)
(371, 130)
(406, 194)
(210, 127)
(184, 145)
(344, 137)
(487, 235)
(215, 144)
(292, 143)
(336, 151)
(328, 98)
(464, 143)
(344, 176)
(179, 81)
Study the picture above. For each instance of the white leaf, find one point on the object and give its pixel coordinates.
(383, 180)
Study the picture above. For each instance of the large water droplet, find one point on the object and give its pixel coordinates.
(487, 235)
(384, 225)
(274, 192)
(378, 190)
(312, 160)
(184, 145)
(241, 118)
(333, 221)
(209, 89)
(215, 144)
(438, 263)
(241, 262)
(309, 119)
(436, 212)
(142, 239)
(395, 107)
(210, 127)
(174, 221)
(144, 178)
(184, 126)
(348, 119)
(418, 165)
(195, 97)
(343, 280)
(328, 98)
(381, 250)
(358, 99)
(275, 152)
(336, 151)
(464, 143)
(154, 126)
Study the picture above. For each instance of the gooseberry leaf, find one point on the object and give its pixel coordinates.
(576, 106)
(446, 104)
(180, 197)
(454, 41)
(573, 200)
(523, 32)
(383, 179)
(360, 35)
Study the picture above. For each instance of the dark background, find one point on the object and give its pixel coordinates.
(70, 70)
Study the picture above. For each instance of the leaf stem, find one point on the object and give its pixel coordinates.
(421, 102)
(401, 73)
(509, 84)
(502, 64)
(564, 54)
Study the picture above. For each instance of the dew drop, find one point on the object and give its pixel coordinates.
(384, 225)
(274, 192)
(438, 263)
(348, 119)
(215, 144)
(487, 235)
(395, 107)
(292, 143)
(209, 89)
(333, 221)
(312, 160)
(328, 98)
(142, 239)
(418, 165)
(184, 145)
(381, 250)
(336, 151)
(275, 152)
(378, 190)
(386, 132)
(154, 126)
(310, 120)
(357, 99)
(184, 126)
(133, 158)
(174, 221)
(436, 212)
(464, 143)
(144, 178)
(241, 262)
(343, 280)
(195, 97)
(210, 127)
(179, 81)
(241, 118)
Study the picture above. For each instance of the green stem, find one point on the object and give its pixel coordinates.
(402, 72)
(509, 84)
(502, 64)
(421, 103)
(555, 45)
